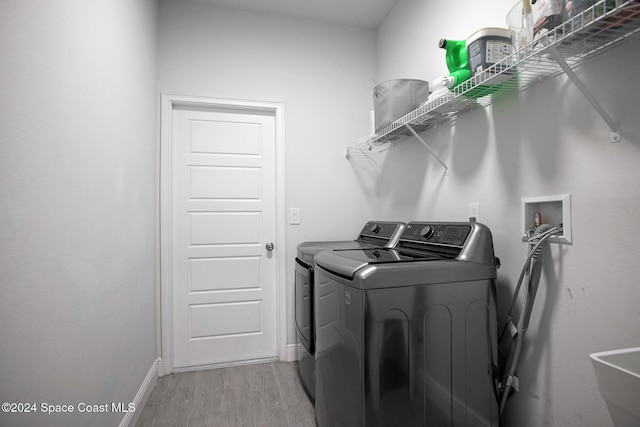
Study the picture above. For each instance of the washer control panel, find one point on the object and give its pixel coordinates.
(437, 233)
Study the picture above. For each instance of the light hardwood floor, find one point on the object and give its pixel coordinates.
(268, 394)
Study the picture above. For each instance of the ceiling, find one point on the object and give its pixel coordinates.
(358, 13)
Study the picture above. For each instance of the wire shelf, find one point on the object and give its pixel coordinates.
(597, 29)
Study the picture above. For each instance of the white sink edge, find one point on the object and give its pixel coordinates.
(599, 355)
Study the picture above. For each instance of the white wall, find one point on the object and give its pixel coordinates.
(77, 205)
(324, 76)
(545, 141)
(77, 177)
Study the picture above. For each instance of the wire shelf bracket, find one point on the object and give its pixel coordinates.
(415, 134)
(615, 129)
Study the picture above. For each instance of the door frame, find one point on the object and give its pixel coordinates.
(164, 321)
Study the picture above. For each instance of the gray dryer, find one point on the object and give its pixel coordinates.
(374, 234)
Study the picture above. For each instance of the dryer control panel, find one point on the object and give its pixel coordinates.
(437, 233)
(383, 233)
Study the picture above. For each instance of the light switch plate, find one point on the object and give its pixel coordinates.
(474, 210)
(294, 216)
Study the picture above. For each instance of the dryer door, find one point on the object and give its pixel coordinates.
(304, 304)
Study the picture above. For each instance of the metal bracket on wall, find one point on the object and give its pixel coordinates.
(615, 129)
(446, 169)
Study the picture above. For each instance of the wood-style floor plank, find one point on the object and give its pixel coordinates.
(267, 403)
(297, 406)
(237, 409)
(148, 416)
(208, 393)
(158, 392)
(261, 395)
(209, 420)
(174, 409)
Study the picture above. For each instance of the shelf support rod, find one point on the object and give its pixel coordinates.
(446, 169)
(615, 129)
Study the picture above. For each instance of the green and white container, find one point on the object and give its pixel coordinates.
(488, 47)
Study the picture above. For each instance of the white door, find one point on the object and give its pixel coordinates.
(223, 214)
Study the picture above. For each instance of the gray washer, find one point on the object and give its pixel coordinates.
(374, 234)
(407, 336)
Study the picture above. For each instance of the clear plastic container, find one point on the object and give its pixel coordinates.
(529, 22)
(547, 14)
(520, 23)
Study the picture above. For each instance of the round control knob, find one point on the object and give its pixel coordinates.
(375, 228)
(427, 231)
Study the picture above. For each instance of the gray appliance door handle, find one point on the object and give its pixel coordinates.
(269, 246)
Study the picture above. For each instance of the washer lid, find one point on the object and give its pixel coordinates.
(347, 262)
(307, 250)
(403, 270)
(387, 255)
(438, 249)
(373, 234)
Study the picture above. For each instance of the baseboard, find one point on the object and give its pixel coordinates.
(131, 418)
(292, 352)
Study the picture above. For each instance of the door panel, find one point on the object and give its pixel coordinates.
(222, 214)
(224, 228)
(210, 320)
(241, 273)
(221, 137)
(208, 183)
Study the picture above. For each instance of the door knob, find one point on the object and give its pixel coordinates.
(269, 246)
